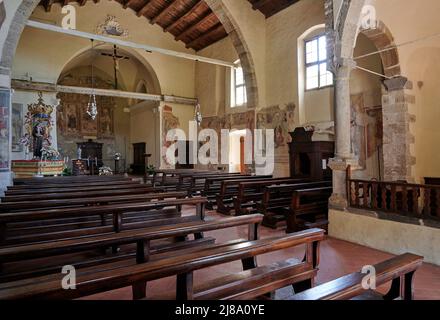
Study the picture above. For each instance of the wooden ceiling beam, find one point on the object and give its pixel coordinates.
(127, 3)
(195, 26)
(257, 5)
(206, 36)
(184, 17)
(48, 5)
(161, 14)
(145, 8)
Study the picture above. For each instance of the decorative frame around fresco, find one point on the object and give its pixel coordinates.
(5, 105)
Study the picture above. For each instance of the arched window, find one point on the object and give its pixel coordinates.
(238, 86)
(317, 75)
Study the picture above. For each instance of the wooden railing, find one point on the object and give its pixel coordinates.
(412, 200)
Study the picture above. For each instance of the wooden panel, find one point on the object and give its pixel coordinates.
(271, 7)
(190, 21)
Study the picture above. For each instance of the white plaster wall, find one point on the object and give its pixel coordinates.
(389, 236)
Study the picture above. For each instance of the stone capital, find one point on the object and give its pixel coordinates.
(397, 83)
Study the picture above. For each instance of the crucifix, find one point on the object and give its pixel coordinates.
(116, 59)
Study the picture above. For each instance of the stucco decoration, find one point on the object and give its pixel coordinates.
(111, 27)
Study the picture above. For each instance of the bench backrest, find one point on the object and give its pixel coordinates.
(350, 286)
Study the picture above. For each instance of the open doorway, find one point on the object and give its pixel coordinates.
(237, 151)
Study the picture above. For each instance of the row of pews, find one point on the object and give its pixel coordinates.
(120, 233)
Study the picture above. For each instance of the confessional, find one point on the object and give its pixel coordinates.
(308, 158)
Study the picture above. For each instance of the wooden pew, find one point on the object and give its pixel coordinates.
(115, 211)
(139, 238)
(170, 177)
(399, 271)
(249, 193)
(230, 189)
(72, 185)
(81, 194)
(309, 209)
(82, 202)
(277, 199)
(73, 189)
(63, 180)
(213, 186)
(253, 282)
(195, 183)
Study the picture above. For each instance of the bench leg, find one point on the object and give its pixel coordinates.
(139, 290)
(198, 235)
(184, 286)
(302, 286)
(402, 287)
(249, 263)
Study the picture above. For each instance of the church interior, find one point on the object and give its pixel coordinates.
(96, 95)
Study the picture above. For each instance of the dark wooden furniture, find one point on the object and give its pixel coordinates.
(309, 209)
(307, 157)
(183, 264)
(277, 199)
(396, 197)
(189, 161)
(138, 166)
(399, 271)
(250, 193)
(79, 167)
(92, 153)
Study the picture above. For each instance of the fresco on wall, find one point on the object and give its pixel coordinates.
(281, 120)
(4, 130)
(17, 127)
(366, 129)
(73, 124)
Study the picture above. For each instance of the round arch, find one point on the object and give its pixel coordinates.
(26, 8)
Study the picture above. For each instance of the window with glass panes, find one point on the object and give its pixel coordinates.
(317, 75)
(239, 87)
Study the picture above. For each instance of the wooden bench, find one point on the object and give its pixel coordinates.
(230, 189)
(277, 199)
(251, 284)
(82, 202)
(115, 211)
(249, 193)
(213, 186)
(71, 185)
(72, 189)
(140, 238)
(81, 194)
(309, 209)
(64, 180)
(195, 183)
(399, 270)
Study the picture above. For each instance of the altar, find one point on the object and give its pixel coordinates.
(30, 168)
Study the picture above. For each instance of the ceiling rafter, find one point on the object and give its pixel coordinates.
(271, 7)
(191, 21)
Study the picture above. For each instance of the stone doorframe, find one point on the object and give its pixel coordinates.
(396, 102)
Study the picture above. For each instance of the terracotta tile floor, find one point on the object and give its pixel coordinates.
(337, 259)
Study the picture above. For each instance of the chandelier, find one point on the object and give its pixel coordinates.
(92, 107)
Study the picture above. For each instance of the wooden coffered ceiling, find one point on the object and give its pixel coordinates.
(190, 21)
(271, 7)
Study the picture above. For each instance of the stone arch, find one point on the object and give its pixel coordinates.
(243, 51)
(26, 8)
(382, 38)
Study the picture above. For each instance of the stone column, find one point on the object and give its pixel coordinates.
(397, 136)
(5, 135)
(343, 157)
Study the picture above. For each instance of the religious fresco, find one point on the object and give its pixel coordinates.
(4, 130)
(281, 120)
(72, 119)
(17, 127)
(366, 129)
